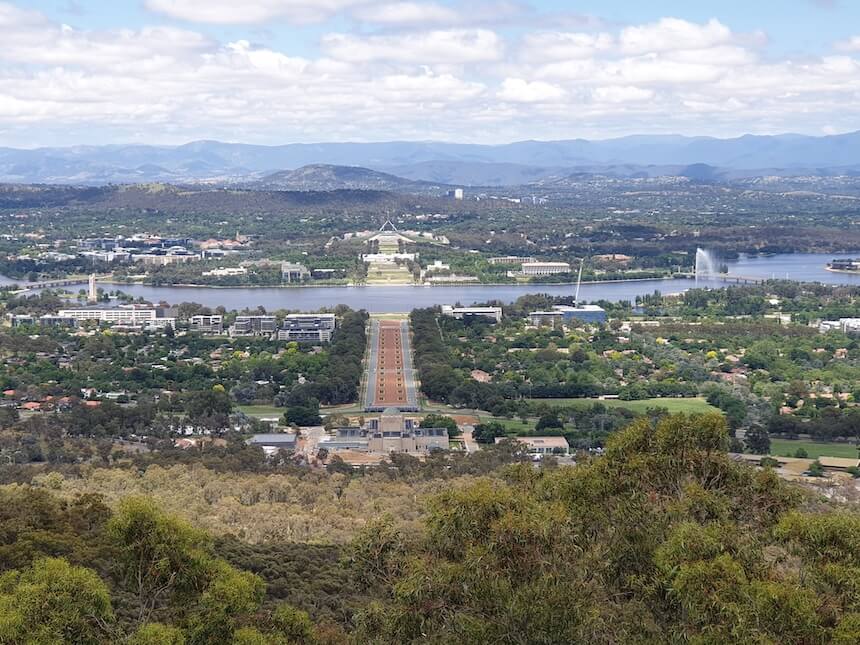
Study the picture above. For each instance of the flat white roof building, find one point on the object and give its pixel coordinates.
(512, 259)
(545, 268)
(584, 313)
(123, 314)
(138, 316)
(459, 313)
(542, 445)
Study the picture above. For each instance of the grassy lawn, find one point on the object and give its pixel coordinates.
(512, 426)
(787, 448)
(258, 411)
(689, 406)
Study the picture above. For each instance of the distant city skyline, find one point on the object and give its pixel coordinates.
(491, 71)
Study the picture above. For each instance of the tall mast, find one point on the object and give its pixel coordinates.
(578, 283)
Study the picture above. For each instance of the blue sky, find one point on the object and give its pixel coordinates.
(278, 71)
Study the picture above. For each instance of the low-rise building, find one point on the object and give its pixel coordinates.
(390, 433)
(460, 313)
(845, 325)
(207, 324)
(567, 314)
(254, 326)
(165, 259)
(226, 271)
(20, 320)
(545, 268)
(512, 259)
(106, 256)
(542, 445)
(352, 438)
(135, 315)
(49, 320)
(327, 274)
(294, 272)
(307, 328)
(388, 258)
(272, 443)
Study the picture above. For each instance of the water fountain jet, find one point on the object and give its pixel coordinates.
(706, 265)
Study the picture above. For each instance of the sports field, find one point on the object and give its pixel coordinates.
(814, 449)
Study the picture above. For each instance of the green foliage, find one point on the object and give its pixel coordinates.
(376, 553)
(488, 431)
(441, 421)
(549, 421)
(34, 524)
(157, 634)
(160, 556)
(228, 595)
(304, 415)
(816, 469)
(663, 539)
(250, 636)
(54, 602)
(757, 440)
(847, 632)
(293, 624)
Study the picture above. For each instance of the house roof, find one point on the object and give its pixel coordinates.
(272, 439)
(540, 442)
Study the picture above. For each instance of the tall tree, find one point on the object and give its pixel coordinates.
(54, 602)
(159, 555)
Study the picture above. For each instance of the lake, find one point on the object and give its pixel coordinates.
(807, 267)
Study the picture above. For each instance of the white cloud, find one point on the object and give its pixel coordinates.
(240, 12)
(555, 46)
(517, 90)
(442, 46)
(165, 84)
(850, 45)
(621, 94)
(408, 13)
(670, 34)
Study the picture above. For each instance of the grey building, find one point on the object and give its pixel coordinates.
(254, 326)
(49, 320)
(352, 438)
(272, 443)
(294, 272)
(568, 314)
(207, 324)
(18, 320)
(307, 328)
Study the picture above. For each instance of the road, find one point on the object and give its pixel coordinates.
(390, 377)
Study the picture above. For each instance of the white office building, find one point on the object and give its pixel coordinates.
(124, 314)
(512, 259)
(545, 268)
(135, 316)
(307, 328)
(493, 313)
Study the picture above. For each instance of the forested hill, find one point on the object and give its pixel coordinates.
(183, 199)
(663, 539)
(327, 177)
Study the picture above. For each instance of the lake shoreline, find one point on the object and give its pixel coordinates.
(398, 285)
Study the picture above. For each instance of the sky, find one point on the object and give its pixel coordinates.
(77, 72)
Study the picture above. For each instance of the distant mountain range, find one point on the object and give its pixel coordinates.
(400, 162)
